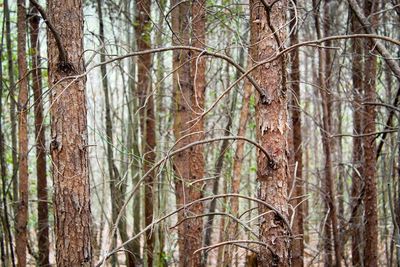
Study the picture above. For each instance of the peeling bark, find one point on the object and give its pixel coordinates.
(69, 137)
(271, 131)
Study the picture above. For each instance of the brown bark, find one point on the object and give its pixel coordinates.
(69, 136)
(42, 210)
(297, 245)
(22, 214)
(271, 127)
(147, 117)
(189, 87)
(356, 206)
(370, 197)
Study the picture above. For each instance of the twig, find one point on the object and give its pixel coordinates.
(231, 242)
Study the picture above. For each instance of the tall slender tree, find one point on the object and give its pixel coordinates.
(357, 176)
(325, 80)
(41, 172)
(13, 119)
(7, 258)
(69, 142)
(370, 197)
(297, 182)
(188, 24)
(22, 214)
(147, 117)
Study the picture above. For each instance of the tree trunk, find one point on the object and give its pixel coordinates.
(69, 136)
(370, 197)
(13, 119)
(189, 87)
(43, 213)
(331, 227)
(271, 125)
(297, 196)
(162, 120)
(356, 189)
(8, 247)
(133, 143)
(147, 117)
(22, 214)
(327, 123)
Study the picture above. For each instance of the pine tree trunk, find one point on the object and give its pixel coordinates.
(22, 214)
(370, 197)
(271, 130)
(69, 143)
(189, 87)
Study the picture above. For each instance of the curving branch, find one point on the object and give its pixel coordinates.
(232, 242)
(63, 58)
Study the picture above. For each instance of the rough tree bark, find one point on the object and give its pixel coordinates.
(370, 197)
(147, 117)
(69, 135)
(22, 214)
(271, 126)
(297, 195)
(42, 209)
(189, 87)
